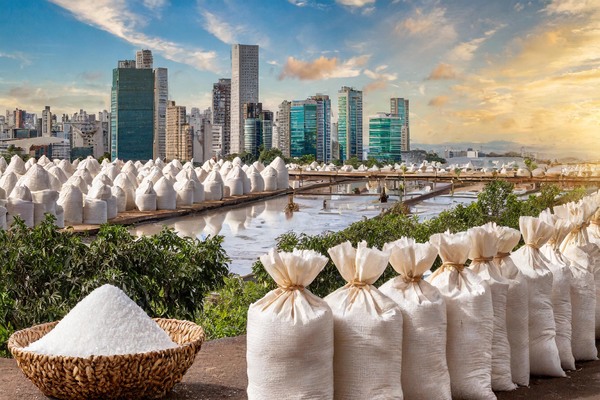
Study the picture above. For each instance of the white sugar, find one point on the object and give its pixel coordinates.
(106, 322)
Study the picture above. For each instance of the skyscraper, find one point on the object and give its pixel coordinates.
(161, 97)
(221, 116)
(144, 59)
(252, 127)
(399, 107)
(244, 89)
(384, 137)
(323, 127)
(179, 134)
(350, 123)
(46, 122)
(132, 112)
(303, 128)
(283, 128)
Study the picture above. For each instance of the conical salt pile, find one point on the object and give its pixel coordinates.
(106, 322)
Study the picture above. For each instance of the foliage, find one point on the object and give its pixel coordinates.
(304, 159)
(530, 164)
(267, 156)
(573, 195)
(12, 150)
(354, 161)
(225, 314)
(105, 156)
(434, 157)
(45, 272)
(246, 157)
(495, 200)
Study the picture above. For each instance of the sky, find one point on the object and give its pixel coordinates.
(516, 73)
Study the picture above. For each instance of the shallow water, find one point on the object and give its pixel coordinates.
(251, 230)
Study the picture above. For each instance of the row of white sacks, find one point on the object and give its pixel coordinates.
(91, 193)
(462, 332)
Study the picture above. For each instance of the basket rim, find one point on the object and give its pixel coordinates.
(19, 350)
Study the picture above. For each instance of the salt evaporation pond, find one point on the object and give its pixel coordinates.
(250, 231)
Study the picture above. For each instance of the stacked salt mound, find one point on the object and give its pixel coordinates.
(105, 323)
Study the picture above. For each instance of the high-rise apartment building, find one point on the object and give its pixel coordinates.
(46, 122)
(161, 97)
(335, 145)
(385, 137)
(323, 127)
(179, 134)
(144, 59)
(350, 123)
(221, 116)
(252, 127)
(132, 112)
(399, 107)
(283, 128)
(266, 119)
(244, 89)
(303, 128)
(202, 128)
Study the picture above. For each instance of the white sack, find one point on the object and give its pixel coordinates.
(290, 332)
(517, 304)
(120, 197)
(213, 186)
(44, 201)
(484, 246)
(269, 175)
(424, 321)
(185, 193)
(470, 318)
(257, 183)
(283, 176)
(94, 211)
(20, 204)
(562, 281)
(543, 352)
(367, 356)
(3, 211)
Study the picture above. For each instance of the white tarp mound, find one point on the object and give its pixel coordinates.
(3, 165)
(20, 204)
(290, 332)
(120, 197)
(234, 182)
(283, 176)
(269, 175)
(543, 352)
(470, 318)
(367, 356)
(257, 183)
(562, 281)
(594, 229)
(424, 321)
(166, 197)
(582, 295)
(94, 211)
(185, 192)
(517, 304)
(104, 192)
(213, 186)
(36, 178)
(71, 200)
(484, 246)
(8, 181)
(16, 165)
(145, 197)
(44, 201)
(122, 180)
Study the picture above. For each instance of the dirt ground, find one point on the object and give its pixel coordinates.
(220, 373)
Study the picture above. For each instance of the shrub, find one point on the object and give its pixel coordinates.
(225, 314)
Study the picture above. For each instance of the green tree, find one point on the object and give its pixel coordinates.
(353, 161)
(267, 156)
(105, 156)
(530, 164)
(494, 200)
(434, 157)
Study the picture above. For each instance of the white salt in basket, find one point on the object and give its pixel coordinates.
(130, 376)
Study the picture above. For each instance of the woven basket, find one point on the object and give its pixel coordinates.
(129, 376)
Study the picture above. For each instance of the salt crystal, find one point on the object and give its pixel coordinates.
(106, 322)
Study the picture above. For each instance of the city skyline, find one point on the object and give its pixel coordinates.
(516, 71)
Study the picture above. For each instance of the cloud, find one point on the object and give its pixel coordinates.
(114, 17)
(572, 6)
(375, 85)
(272, 62)
(92, 76)
(439, 101)
(355, 3)
(465, 51)
(518, 7)
(322, 68)
(155, 5)
(432, 24)
(441, 72)
(219, 28)
(378, 74)
(17, 56)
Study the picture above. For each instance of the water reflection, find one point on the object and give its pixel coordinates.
(250, 231)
